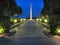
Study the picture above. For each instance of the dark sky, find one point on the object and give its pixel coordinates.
(37, 6)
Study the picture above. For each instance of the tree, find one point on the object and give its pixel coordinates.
(8, 8)
(52, 8)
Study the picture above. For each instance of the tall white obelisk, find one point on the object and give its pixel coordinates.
(31, 11)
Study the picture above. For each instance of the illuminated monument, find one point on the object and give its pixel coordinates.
(31, 11)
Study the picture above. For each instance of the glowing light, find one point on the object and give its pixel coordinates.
(40, 19)
(15, 20)
(24, 19)
(21, 19)
(37, 19)
(45, 20)
(58, 30)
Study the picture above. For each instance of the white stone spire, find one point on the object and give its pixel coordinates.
(30, 11)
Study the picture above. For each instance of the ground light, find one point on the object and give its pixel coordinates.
(21, 19)
(58, 30)
(24, 19)
(37, 19)
(1, 30)
(40, 19)
(45, 20)
(15, 20)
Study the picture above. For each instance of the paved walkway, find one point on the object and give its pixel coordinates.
(30, 33)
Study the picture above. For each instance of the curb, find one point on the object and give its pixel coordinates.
(12, 32)
(47, 33)
(13, 26)
(47, 26)
(8, 34)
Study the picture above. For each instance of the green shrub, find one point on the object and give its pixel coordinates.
(2, 30)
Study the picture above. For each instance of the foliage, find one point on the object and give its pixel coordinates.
(10, 8)
(53, 10)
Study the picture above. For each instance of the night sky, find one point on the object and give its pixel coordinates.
(37, 6)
